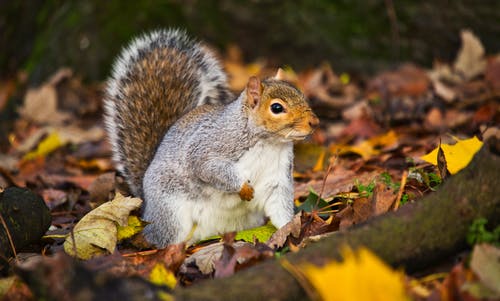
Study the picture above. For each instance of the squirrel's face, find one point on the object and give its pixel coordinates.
(281, 109)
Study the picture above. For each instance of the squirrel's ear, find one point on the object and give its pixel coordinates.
(254, 91)
(280, 74)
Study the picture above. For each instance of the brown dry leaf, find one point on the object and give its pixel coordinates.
(339, 180)
(40, 104)
(362, 127)
(143, 263)
(486, 113)
(225, 266)
(407, 80)
(327, 90)
(441, 163)
(492, 73)
(470, 61)
(451, 288)
(54, 197)
(101, 187)
(292, 228)
(313, 225)
(364, 208)
(235, 257)
(454, 118)
(383, 198)
(434, 119)
(205, 258)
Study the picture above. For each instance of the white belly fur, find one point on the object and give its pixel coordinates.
(264, 165)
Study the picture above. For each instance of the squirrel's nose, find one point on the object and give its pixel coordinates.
(313, 121)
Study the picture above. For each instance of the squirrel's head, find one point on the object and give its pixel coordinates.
(280, 108)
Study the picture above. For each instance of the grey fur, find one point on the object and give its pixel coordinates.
(186, 147)
(128, 95)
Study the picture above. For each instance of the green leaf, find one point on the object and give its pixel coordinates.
(312, 203)
(262, 233)
(479, 234)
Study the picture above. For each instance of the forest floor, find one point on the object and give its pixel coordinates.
(367, 158)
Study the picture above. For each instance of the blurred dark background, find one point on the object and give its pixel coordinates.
(354, 36)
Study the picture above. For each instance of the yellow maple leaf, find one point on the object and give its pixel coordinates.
(134, 226)
(46, 146)
(162, 276)
(368, 148)
(361, 276)
(457, 155)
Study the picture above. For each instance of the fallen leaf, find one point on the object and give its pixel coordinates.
(442, 164)
(485, 263)
(77, 135)
(262, 233)
(492, 73)
(46, 146)
(96, 233)
(54, 197)
(444, 91)
(368, 148)
(362, 127)
(486, 113)
(407, 80)
(434, 119)
(206, 257)
(101, 187)
(360, 276)
(457, 155)
(162, 276)
(383, 198)
(40, 104)
(134, 226)
(470, 61)
(235, 257)
(278, 239)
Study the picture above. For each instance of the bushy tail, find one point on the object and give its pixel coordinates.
(158, 78)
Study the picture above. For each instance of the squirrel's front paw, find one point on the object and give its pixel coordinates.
(246, 192)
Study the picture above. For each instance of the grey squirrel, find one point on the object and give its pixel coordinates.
(205, 162)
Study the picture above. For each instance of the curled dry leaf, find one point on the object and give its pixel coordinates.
(457, 155)
(96, 233)
(206, 257)
(40, 104)
(470, 60)
(485, 262)
(279, 237)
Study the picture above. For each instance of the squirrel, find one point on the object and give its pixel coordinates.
(205, 162)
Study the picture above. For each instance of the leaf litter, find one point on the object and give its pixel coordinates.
(366, 159)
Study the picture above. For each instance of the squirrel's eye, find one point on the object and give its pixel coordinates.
(277, 108)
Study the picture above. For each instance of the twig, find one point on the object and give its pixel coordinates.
(329, 169)
(401, 189)
(11, 242)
